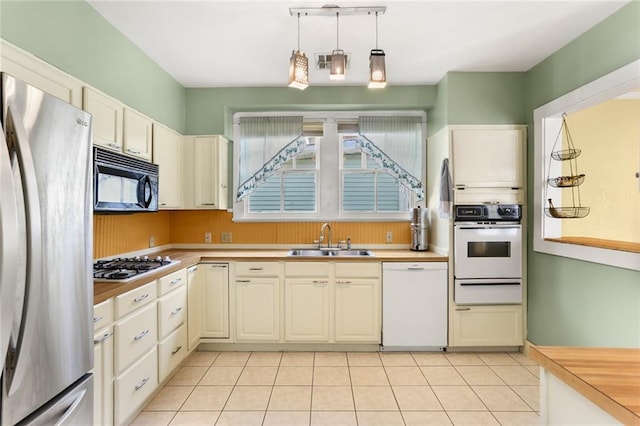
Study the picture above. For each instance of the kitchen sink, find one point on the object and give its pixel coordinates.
(330, 252)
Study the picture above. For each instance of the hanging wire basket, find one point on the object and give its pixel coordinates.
(573, 180)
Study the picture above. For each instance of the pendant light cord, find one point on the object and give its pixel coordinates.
(337, 30)
(376, 30)
(299, 30)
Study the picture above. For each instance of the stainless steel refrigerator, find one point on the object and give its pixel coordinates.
(46, 285)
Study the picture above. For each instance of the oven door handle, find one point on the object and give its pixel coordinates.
(491, 283)
(489, 227)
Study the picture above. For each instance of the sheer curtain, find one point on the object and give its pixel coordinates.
(394, 143)
(266, 144)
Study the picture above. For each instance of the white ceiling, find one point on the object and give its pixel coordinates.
(248, 43)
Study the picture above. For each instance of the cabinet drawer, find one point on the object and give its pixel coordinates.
(172, 281)
(307, 269)
(134, 299)
(171, 351)
(499, 325)
(172, 311)
(356, 270)
(249, 269)
(102, 314)
(135, 336)
(135, 385)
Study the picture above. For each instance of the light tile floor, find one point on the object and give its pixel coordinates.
(353, 388)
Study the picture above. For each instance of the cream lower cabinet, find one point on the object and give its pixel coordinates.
(357, 302)
(307, 301)
(257, 295)
(487, 325)
(172, 323)
(195, 304)
(216, 299)
(103, 364)
(135, 385)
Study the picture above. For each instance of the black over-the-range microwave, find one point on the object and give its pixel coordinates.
(123, 184)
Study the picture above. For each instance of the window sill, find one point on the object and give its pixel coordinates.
(599, 243)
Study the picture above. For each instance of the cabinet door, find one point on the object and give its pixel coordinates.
(134, 386)
(257, 309)
(195, 305)
(216, 296)
(137, 135)
(135, 335)
(499, 325)
(307, 309)
(167, 153)
(357, 310)
(107, 119)
(172, 311)
(210, 158)
(103, 377)
(488, 158)
(171, 351)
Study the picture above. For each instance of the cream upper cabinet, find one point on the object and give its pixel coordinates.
(107, 118)
(486, 325)
(205, 169)
(357, 302)
(137, 136)
(216, 296)
(195, 304)
(257, 294)
(307, 301)
(167, 153)
(34, 71)
(488, 157)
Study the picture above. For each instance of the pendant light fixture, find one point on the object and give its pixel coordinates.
(298, 66)
(377, 72)
(338, 58)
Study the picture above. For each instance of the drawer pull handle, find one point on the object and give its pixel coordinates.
(141, 335)
(192, 269)
(208, 204)
(218, 266)
(243, 281)
(176, 311)
(255, 269)
(413, 268)
(176, 281)
(176, 350)
(134, 151)
(463, 309)
(103, 338)
(142, 383)
(96, 319)
(113, 145)
(141, 298)
(320, 282)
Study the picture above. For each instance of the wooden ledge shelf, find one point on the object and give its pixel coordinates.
(599, 243)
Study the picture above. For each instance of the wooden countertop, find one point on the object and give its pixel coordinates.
(608, 377)
(187, 257)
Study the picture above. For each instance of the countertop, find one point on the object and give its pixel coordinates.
(608, 377)
(187, 257)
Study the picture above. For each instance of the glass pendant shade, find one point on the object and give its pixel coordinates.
(377, 72)
(299, 70)
(338, 64)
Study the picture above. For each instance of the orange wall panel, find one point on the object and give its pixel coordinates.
(116, 234)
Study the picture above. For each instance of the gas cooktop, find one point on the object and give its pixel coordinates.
(125, 269)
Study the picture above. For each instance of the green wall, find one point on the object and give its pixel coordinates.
(209, 111)
(573, 302)
(438, 116)
(72, 36)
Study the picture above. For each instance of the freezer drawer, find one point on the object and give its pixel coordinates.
(72, 407)
(414, 305)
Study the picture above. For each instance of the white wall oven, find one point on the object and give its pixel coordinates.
(487, 254)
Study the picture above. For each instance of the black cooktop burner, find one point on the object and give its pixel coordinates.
(121, 269)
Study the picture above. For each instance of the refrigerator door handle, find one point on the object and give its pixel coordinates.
(26, 333)
(9, 258)
(72, 408)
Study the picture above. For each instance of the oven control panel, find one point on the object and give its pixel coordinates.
(490, 212)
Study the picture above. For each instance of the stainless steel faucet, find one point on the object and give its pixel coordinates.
(321, 239)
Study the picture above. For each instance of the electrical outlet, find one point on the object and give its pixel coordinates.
(152, 241)
(207, 237)
(225, 237)
(389, 237)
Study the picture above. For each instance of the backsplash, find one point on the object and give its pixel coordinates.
(114, 234)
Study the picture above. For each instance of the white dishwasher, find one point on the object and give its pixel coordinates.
(414, 306)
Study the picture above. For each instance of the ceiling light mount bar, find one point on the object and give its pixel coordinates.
(331, 10)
